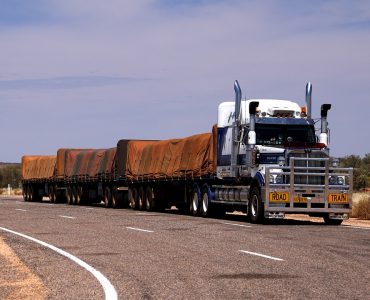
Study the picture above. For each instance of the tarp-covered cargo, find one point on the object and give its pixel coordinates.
(190, 157)
(38, 167)
(89, 164)
(121, 157)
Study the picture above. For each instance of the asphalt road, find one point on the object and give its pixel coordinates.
(167, 255)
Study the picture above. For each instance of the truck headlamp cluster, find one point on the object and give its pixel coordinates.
(281, 161)
(336, 180)
(276, 179)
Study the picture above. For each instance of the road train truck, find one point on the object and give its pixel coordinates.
(263, 158)
(270, 160)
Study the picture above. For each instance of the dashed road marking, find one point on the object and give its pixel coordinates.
(19, 209)
(261, 255)
(67, 217)
(234, 224)
(109, 290)
(139, 229)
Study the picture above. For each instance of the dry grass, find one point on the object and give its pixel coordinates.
(12, 191)
(361, 206)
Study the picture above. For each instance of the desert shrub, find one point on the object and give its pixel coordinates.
(361, 206)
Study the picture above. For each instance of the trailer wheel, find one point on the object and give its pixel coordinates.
(107, 197)
(74, 195)
(331, 221)
(194, 203)
(69, 195)
(149, 203)
(116, 198)
(79, 195)
(255, 211)
(141, 198)
(133, 195)
(204, 208)
(51, 194)
(25, 193)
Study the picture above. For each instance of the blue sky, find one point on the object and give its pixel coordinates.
(77, 73)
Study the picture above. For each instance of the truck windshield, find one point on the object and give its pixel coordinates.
(281, 135)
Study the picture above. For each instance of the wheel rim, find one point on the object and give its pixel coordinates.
(195, 202)
(107, 197)
(148, 199)
(141, 200)
(70, 196)
(133, 198)
(205, 203)
(254, 206)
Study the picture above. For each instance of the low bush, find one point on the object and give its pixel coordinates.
(361, 206)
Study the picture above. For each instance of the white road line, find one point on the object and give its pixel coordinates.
(67, 217)
(109, 290)
(20, 209)
(234, 224)
(261, 255)
(138, 229)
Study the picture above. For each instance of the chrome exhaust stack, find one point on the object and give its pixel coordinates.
(252, 123)
(324, 123)
(309, 99)
(236, 130)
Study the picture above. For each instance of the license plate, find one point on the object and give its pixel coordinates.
(300, 200)
(338, 198)
(279, 197)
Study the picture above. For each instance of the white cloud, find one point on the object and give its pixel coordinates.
(189, 55)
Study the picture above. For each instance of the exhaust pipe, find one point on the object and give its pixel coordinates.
(235, 132)
(309, 98)
(238, 100)
(324, 123)
(252, 122)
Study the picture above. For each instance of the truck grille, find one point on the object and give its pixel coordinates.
(302, 166)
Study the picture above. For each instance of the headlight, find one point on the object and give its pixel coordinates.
(340, 180)
(332, 180)
(279, 179)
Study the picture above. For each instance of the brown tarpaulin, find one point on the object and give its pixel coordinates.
(194, 156)
(38, 167)
(89, 163)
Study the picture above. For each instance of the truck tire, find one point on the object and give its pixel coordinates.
(133, 195)
(331, 221)
(255, 210)
(107, 197)
(51, 194)
(25, 193)
(205, 205)
(149, 202)
(74, 195)
(141, 198)
(194, 203)
(69, 195)
(80, 195)
(116, 198)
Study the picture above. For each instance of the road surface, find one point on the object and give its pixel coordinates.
(168, 255)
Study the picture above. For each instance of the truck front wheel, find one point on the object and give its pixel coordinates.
(255, 210)
(329, 221)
